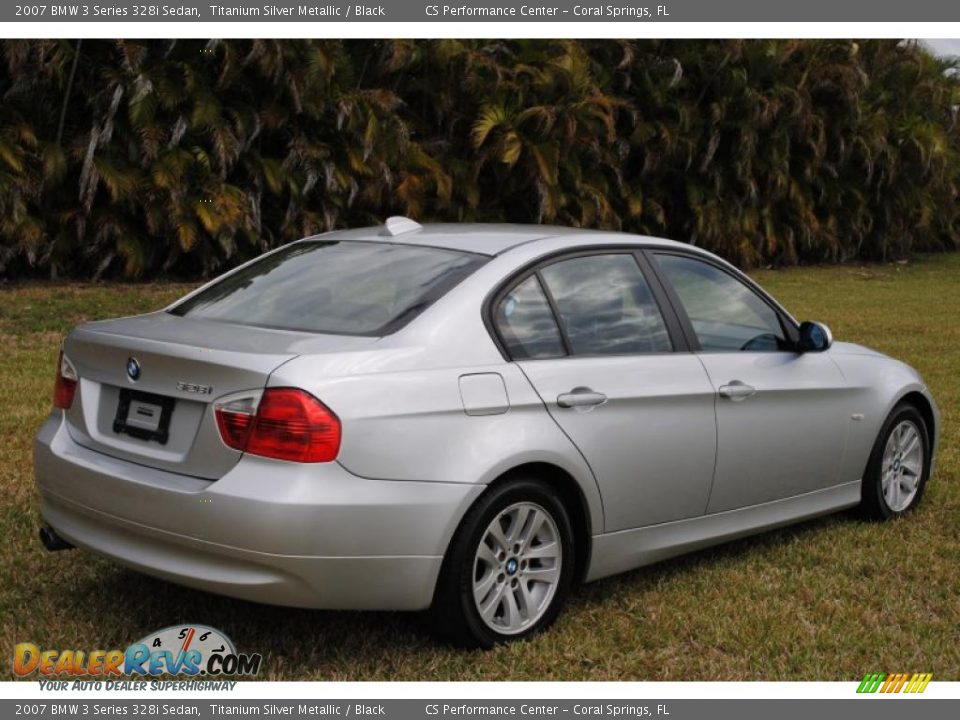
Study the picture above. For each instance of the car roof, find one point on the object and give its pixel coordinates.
(482, 238)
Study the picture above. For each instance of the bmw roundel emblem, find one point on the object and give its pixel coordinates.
(133, 368)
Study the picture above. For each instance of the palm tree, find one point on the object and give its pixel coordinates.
(188, 156)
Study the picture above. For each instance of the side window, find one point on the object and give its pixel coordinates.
(605, 306)
(525, 322)
(726, 314)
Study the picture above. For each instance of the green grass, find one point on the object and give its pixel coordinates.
(829, 599)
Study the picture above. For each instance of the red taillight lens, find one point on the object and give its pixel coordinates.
(293, 425)
(234, 427)
(65, 386)
(288, 424)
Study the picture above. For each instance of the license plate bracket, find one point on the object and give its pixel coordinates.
(144, 416)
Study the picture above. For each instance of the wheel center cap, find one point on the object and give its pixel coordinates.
(511, 566)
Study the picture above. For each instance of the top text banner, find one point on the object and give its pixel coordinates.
(485, 11)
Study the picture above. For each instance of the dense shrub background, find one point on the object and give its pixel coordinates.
(138, 158)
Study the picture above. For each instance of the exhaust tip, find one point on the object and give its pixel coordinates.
(51, 541)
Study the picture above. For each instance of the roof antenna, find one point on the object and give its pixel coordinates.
(398, 225)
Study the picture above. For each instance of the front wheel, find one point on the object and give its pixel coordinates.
(509, 567)
(899, 465)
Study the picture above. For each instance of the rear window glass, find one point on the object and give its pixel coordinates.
(342, 288)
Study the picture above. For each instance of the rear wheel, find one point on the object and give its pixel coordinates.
(899, 465)
(509, 567)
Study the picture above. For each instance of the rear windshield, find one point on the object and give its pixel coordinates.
(342, 288)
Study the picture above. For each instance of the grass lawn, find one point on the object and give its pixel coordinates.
(826, 600)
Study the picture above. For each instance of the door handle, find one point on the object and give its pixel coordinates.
(737, 391)
(581, 397)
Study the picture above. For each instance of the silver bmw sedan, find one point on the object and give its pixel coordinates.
(467, 418)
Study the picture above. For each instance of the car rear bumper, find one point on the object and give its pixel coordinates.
(272, 532)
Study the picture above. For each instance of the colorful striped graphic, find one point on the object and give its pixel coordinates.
(895, 683)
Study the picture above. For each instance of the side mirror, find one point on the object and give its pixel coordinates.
(814, 337)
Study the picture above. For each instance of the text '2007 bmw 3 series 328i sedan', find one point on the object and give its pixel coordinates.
(468, 418)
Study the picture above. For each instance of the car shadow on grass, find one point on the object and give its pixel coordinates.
(751, 548)
(292, 640)
(346, 645)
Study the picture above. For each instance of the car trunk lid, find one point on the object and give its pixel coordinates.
(148, 383)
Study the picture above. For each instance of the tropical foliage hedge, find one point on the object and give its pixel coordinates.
(138, 158)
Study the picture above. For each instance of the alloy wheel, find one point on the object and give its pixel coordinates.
(517, 568)
(902, 465)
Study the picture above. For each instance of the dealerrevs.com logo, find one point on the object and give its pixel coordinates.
(189, 650)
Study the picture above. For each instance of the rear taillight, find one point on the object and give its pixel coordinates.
(65, 386)
(235, 419)
(282, 423)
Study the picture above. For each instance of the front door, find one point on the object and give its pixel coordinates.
(782, 416)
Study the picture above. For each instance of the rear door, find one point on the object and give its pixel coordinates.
(589, 333)
(782, 416)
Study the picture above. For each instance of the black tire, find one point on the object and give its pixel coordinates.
(873, 504)
(455, 614)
